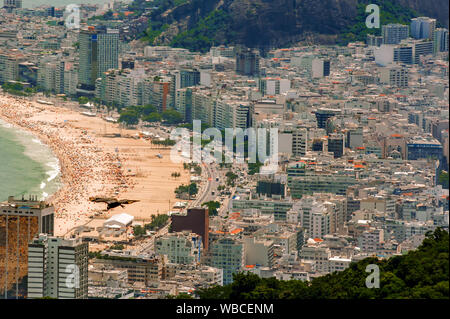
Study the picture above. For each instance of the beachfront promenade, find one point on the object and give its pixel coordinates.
(93, 164)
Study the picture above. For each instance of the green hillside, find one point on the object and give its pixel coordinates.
(199, 24)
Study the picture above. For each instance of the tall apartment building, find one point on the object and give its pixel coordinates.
(182, 79)
(57, 268)
(20, 221)
(336, 143)
(160, 94)
(273, 86)
(424, 148)
(180, 248)
(394, 33)
(293, 141)
(120, 87)
(440, 40)
(9, 66)
(404, 54)
(409, 51)
(422, 48)
(70, 79)
(231, 114)
(99, 52)
(372, 40)
(423, 28)
(144, 271)
(50, 76)
(320, 68)
(320, 220)
(228, 254)
(10, 5)
(304, 180)
(323, 114)
(202, 107)
(354, 138)
(222, 51)
(247, 62)
(319, 255)
(259, 252)
(183, 103)
(370, 241)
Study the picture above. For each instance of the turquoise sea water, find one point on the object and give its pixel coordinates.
(27, 167)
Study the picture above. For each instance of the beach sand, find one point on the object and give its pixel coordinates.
(93, 164)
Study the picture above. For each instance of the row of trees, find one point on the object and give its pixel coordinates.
(166, 142)
(149, 113)
(191, 190)
(157, 222)
(17, 89)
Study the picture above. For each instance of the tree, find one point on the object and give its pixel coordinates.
(157, 222)
(138, 231)
(193, 189)
(83, 100)
(129, 117)
(181, 295)
(443, 179)
(149, 109)
(213, 206)
(172, 117)
(190, 189)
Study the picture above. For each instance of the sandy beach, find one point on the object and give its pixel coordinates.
(95, 164)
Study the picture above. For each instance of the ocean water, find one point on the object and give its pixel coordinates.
(27, 166)
(59, 3)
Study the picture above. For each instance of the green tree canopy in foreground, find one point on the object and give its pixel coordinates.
(422, 273)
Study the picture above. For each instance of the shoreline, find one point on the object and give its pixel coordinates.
(94, 165)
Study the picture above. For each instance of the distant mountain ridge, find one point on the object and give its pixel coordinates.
(199, 24)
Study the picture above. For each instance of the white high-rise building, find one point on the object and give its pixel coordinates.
(293, 141)
(57, 268)
(120, 88)
(99, 52)
(320, 68)
(319, 221)
(394, 33)
(228, 254)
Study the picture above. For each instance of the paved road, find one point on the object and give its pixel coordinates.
(210, 173)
